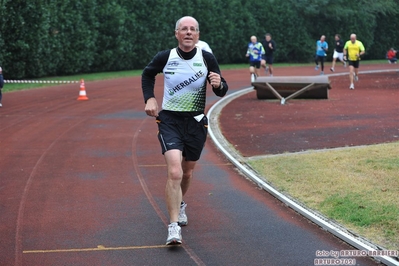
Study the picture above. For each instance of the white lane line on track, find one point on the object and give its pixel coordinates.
(22, 205)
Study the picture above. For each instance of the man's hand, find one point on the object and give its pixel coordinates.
(214, 79)
(151, 107)
(1, 70)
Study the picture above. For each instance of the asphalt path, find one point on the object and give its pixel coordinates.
(82, 183)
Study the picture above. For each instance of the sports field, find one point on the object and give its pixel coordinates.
(83, 181)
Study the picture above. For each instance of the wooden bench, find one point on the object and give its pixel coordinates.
(286, 88)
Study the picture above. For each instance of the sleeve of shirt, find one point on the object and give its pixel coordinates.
(361, 46)
(262, 49)
(346, 46)
(150, 71)
(213, 66)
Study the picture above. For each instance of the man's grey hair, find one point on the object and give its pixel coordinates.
(178, 22)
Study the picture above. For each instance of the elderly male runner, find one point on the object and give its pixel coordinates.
(353, 49)
(255, 52)
(182, 123)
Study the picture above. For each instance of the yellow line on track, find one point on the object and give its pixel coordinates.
(98, 248)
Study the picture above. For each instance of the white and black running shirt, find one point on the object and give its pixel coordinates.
(184, 83)
(184, 79)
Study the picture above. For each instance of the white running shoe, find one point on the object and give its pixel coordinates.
(352, 87)
(344, 64)
(182, 221)
(1, 105)
(253, 77)
(174, 234)
(356, 77)
(332, 69)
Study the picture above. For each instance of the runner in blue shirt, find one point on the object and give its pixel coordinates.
(255, 52)
(321, 53)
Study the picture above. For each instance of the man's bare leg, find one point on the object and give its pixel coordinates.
(173, 190)
(351, 72)
(188, 169)
(333, 64)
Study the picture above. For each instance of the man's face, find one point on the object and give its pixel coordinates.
(268, 38)
(187, 34)
(253, 40)
(353, 38)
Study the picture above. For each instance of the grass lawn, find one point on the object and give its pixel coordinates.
(357, 187)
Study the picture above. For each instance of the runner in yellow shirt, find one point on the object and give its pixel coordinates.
(353, 49)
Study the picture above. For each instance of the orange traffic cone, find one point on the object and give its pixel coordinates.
(82, 92)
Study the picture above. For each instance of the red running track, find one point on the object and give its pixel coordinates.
(82, 183)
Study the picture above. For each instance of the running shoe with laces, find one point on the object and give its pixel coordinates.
(332, 69)
(174, 234)
(253, 77)
(182, 220)
(356, 77)
(352, 87)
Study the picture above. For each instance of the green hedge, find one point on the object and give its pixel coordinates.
(41, 38)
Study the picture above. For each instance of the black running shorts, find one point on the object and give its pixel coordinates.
(183, 133)
(269, 59)
(355, 64)
(255, 64)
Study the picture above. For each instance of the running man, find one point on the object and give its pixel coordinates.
(353, 49)
(267, 60)
(182, 124)
(338, 51)
(204, 46)
(321, 50)
(254, 52)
